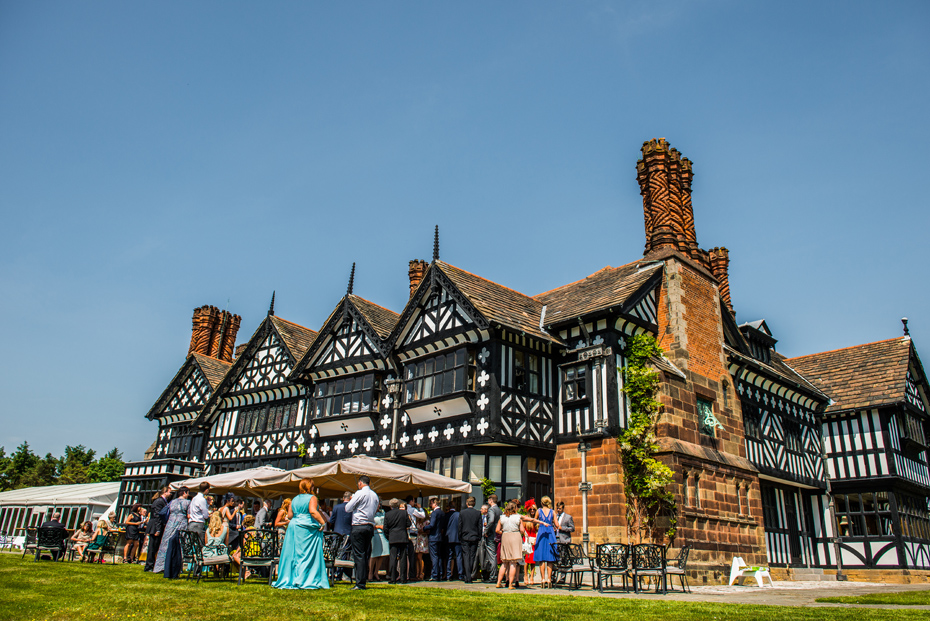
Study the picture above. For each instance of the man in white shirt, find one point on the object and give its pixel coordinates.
(198, 513)
(364, 505)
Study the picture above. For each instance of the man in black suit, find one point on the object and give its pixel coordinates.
(436, 529)
(395, 530)
(453, 544)
(155, 528)
(470, 535)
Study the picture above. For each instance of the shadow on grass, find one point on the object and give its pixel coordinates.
(72, 591)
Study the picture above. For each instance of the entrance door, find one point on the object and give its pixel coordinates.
(794, 536)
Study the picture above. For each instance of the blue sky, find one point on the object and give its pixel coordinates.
(155, 157)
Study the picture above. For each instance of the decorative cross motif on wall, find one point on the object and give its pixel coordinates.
(338, 447)
(484, 355)
(437, 411)
(386, 402)
(483, 378)
(313, 431)
(353, 445)
(433, 434)
(448, 431)
(483, 401)
(344, 427)
(465, 429)
(404, 439)
(482, 425)
(597, 340)
(325, 449)
(384, 442)
(403, 419)
(368, 444)
(385, 421)
(418, 437)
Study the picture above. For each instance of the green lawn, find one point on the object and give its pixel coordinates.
(906, 598)
(66, 591)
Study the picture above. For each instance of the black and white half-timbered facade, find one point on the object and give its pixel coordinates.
(784, 461)
(875, 434)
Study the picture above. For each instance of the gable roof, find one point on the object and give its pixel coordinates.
(381, 319)
(862, 376)
(606, 288)
(297, 338)
(497, 303)
(214, 370)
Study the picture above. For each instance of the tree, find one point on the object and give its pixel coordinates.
(5, 463)
(21, 462)
(73, 467)
(645, 477)
(110, 467)
(43, 472)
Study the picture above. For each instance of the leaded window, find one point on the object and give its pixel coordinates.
(752, 422)
(793, 441)
(266, 417)
(863, 515)
(439, 375)
(346, 395)
(526, 372)
(574, 383)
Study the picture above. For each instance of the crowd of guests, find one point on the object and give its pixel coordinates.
(508, 545)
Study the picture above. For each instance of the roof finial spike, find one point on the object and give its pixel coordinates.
(271, 308)
(907, 333)
(436, 244)
(351, 280)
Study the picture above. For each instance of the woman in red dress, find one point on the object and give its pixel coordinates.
(529, 542)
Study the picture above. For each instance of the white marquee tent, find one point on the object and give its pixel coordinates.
(31, 506)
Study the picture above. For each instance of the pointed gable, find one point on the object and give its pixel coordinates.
(863, 376)
(190, 389)
(353, 337)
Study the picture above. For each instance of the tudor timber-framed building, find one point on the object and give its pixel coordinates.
(473, 379)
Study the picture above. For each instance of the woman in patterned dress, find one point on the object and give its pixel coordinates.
(177, 520)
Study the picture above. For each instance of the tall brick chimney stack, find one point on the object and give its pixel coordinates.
(665, 183)
(720, 268)
(214, 332)
(416, 272)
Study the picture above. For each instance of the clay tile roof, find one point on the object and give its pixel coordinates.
(611, 286)
(498, 303)
(379, 318)
(297, 338)
(863, 376)
(213, 369)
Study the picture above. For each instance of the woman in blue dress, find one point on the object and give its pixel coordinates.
(301, 565)
(544, 553)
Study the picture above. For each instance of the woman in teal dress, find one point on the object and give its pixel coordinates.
(301, 564)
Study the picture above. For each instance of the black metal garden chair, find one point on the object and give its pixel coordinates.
(648, 561)
(610, 560)
(573, 563)
(30, 542)
(259, 548)
(54, 540)
(678, 566)
(199, 557)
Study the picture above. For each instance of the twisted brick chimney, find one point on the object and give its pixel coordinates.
(665, 183)
(720, 268)
(416, 272)
(214, 333)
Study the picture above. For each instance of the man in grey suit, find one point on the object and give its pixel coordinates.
(489, 571)
(565, 526)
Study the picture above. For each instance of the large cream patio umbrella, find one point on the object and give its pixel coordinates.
(239, 482)
(387, 479)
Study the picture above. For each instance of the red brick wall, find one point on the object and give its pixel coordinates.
(606, 502)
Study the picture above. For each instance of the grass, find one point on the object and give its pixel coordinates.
(73, 591)
(904, 598)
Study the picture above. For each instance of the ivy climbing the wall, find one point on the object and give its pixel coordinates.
(651, 508)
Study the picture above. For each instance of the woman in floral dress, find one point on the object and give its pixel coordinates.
(177, 520)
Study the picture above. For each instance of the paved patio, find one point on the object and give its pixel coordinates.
(784, 593)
